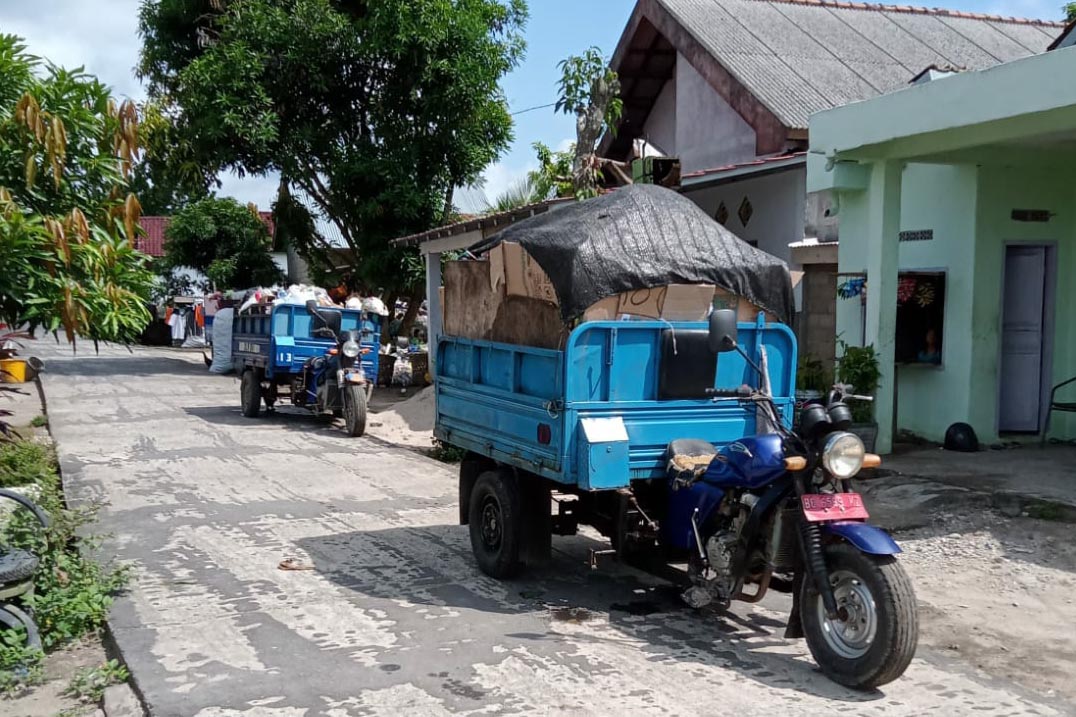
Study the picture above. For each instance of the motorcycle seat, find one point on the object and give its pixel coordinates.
(689, 457)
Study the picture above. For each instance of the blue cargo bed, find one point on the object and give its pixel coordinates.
(601, 412)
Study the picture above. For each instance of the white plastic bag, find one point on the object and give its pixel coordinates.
(222, 342)
(401, 371)
(374, 305)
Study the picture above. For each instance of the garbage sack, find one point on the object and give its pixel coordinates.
(222, 342)
(374, 305)
(401, 371)
(353, 302)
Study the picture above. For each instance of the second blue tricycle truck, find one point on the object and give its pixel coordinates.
(319, 358)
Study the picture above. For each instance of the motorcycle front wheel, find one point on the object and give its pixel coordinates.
(873, 638)
(354, 398)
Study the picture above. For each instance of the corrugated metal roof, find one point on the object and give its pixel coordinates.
(799, 57)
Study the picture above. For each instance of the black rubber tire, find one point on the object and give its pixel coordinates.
(897, 632)
(250, 392)
(14, 618)
(355, 410)
(496, 524)
(17, 565)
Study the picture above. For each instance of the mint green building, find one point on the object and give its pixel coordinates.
(957, 207)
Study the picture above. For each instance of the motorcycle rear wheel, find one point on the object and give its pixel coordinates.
(874, 640)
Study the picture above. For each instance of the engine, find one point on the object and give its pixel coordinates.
(716, 581)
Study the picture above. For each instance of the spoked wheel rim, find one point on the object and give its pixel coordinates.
(852, 633)
(492, 523)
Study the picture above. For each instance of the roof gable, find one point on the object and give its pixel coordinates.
(797, 57)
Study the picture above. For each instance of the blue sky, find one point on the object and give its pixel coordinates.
(102, 35)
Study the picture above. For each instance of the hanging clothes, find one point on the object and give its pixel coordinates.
(199, 317)
(178, 326)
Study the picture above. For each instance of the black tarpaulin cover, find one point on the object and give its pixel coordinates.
(639, 237)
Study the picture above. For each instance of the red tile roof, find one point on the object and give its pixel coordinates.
(152, 244)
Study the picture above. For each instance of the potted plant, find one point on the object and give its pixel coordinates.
(858, 368)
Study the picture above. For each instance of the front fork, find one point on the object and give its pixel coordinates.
(350, 376)
(814, 559)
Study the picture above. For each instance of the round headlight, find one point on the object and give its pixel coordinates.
(351, 349)
(843, 455)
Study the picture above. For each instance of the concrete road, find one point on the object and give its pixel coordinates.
(393, 617)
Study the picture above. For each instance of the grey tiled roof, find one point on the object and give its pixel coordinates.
(802, 56)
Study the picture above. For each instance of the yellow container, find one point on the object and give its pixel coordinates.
(12, 370)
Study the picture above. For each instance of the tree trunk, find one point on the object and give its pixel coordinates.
(414, 303)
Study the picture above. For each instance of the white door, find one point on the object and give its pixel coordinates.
(1022, 338)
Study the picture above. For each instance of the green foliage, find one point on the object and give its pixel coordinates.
(519, 194)
(89, 683)
(39, 421)
(446, 452)
(170, 175)
(590, 90)
(858, 367)
(1070, 11)
(553, 178)
(67, 220)
(813, 375)
(226, 241)
(585, 77)
(25, 463)
(371, 112)
(72, 592)
(20, 666)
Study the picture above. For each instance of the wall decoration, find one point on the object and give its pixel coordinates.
(852, 287)
(746, 211)
(919, 235)
(722, 215)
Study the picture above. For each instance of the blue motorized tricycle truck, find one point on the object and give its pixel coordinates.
(322, 359)
(679, 442)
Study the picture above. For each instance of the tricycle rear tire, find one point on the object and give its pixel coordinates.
(250, 392)
(496, 524)
(354, 400)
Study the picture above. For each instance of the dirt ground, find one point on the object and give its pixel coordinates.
(997, 592)
(48, 699)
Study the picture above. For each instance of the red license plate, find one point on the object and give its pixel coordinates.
(834, 506)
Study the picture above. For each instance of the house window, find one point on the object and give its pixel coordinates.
(920, 317)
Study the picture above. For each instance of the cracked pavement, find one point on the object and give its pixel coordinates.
(391, 615)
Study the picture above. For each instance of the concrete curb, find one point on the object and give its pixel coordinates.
(121, 701)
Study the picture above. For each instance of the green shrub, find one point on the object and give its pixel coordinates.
(858, 367)
(89, 683)
(72, 592)
(446, 453)
(25, 462)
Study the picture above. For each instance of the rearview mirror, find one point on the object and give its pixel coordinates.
(330, 319)
(722, 336)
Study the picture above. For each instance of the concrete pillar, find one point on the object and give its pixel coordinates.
(433, 301)
(882, 238)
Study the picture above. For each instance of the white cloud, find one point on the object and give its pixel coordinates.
(101, 35)
(501, 176)
(260, 190)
